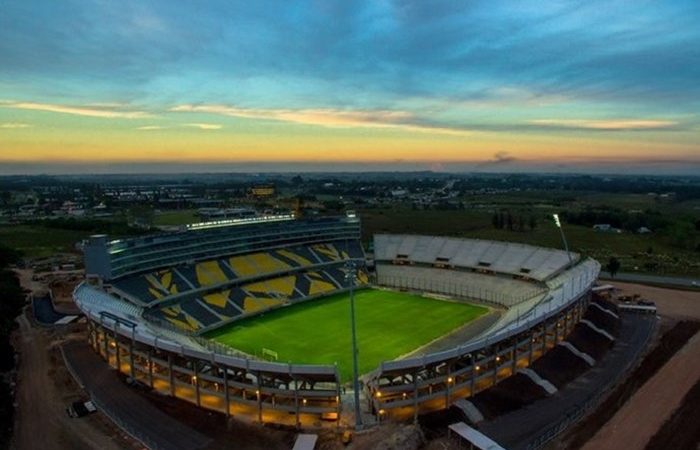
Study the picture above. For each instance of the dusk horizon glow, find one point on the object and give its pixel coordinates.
(392, 85)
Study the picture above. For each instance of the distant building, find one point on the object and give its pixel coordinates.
(262, 191)
(606, 228)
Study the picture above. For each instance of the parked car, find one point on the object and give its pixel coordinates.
(80, 409)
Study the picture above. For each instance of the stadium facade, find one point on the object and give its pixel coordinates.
(149, 299)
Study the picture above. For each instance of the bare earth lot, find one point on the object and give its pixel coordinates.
(44, 390)
(647, 410)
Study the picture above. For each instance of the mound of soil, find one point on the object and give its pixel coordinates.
(508, 395)
(607, 304)
(589, 341)
(560, 366)
(603, 320)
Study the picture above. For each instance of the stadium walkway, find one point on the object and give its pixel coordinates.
(129, 410)
(518, 429)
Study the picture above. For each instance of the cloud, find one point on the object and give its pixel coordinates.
(13, 125)
(606, 125)
(92, 111)
(500, 158)
(204, 126)
(150, 127)
(326, 117)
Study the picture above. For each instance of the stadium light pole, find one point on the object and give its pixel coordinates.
(350, 277)
(557, 222)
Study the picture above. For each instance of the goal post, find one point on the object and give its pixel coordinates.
(269, 354)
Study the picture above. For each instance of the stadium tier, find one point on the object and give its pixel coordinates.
(112, 259)
(525, 261)
(185, 281)
(150, 300)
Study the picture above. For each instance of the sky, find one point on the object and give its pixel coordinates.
(226, 85)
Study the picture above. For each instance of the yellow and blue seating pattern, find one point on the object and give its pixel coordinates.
(265, 289)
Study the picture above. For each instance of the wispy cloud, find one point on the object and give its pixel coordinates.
(204, 126)
(327, 117)
(90, 111)
(606, 125)
(13, 125)
(150, 128)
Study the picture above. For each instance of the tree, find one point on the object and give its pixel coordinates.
(613, 266)
(509, 220)
(495, 221)
(533, 223)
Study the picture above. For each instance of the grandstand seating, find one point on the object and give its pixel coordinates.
(498, 289)
(266, 282)
(502, 257)
(151, 287)
(193, 314)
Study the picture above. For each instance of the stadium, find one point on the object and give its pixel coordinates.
(251, 317)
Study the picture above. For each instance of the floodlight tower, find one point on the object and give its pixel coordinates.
(557, 222)
(350, 278)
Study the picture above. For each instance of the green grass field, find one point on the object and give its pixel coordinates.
(389, 324)
(38, 241)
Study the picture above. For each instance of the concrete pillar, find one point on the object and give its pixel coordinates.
(296, 402)
(447, 385)
(131, 360)
(195, 365)
(532, 348)
(415, 396)
(258, 394)
(116, 350)
(171, 375)
(106, 344)
(227, 396)
(544, 337)
(472, 381)
(495, 365)
(150, 367)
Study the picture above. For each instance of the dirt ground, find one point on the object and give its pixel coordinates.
(643, 415)
(645, 412)
(671, 303)
(680, 431)
(44, 389)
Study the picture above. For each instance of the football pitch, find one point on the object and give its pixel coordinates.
(389, 324)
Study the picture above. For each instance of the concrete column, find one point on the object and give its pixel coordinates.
(495, 365)
(544, 336)
(447, 386)
(171, 375)
(415, 396)
(106, 344)
(131, 360)
(195, 365)
(258, 394)
(227, 396)
(296, 402)
(472, 382)
(150, 368)
(116, 351)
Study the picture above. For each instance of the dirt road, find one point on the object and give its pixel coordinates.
(642, 416)
(673, 303)
(44, 390)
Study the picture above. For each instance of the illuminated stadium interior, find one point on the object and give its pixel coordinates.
(251, 314)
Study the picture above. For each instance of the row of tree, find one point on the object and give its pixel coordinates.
(504, 220)
(13, 299)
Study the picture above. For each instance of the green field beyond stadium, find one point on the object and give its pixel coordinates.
(389, 324)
